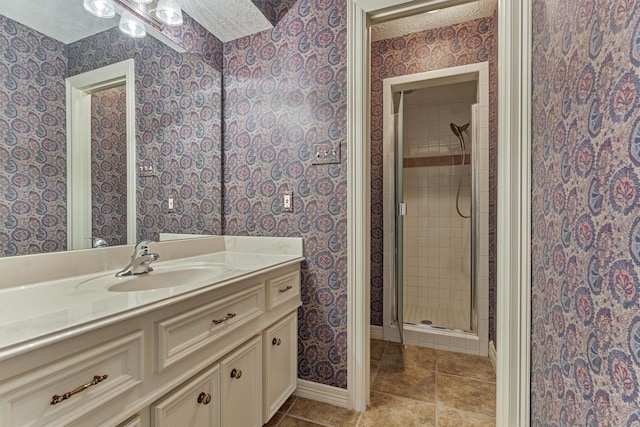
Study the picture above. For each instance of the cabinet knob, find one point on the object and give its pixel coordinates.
(276, 341)
(236, 373)
(204, 398)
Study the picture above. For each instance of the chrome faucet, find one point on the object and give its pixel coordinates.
(140, 260)
(98, 242)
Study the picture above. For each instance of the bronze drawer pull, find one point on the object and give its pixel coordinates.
(204, 398)
(96, 379)
(285, 289)
(224, 319)
(276, 341)
(236, 373)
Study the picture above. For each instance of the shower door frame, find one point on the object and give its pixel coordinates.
(472, 72)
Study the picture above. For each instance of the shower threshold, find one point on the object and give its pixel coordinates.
(437, 327)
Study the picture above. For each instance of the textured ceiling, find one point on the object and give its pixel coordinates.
(426, 21)
(63, 20)
(227, 19)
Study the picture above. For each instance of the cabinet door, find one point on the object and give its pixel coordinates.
(280, 363)
(195, 404)
(241, 386)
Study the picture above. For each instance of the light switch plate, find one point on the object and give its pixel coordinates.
(325, 153)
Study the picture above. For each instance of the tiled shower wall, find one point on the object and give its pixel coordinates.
(437, 252)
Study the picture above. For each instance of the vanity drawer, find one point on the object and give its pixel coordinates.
(89, 380)
(283, 288)
(179, 336)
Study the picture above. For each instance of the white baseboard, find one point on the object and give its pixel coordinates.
(376, 332)
(322, 393)
(493, 354)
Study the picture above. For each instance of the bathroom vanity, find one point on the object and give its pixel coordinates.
(209, 338)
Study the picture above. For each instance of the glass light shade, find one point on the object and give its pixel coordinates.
(143, 1)
(131, 26)
(169, 12)
(100, 8)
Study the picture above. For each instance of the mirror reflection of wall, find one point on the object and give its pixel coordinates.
(109, 165)
(178, 131)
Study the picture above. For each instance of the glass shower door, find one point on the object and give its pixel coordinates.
(401, 211)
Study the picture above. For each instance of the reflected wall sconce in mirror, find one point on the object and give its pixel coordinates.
(100, 8)
(135, 14)
(131, 26)
(169, 12)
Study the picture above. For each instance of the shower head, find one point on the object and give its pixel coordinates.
(459, 130)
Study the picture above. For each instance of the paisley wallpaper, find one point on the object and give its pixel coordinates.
(585, 344)
(108, 165)
(33, 183)
(196, 40)
(178, 130)
(284, 90)
(461, 44)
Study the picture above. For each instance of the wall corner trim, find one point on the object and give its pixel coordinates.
(322, 393)
(376, 332)
(493, 355)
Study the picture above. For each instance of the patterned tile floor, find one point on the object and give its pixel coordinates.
(414, 386)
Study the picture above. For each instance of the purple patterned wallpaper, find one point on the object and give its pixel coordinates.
(196, 40)
(585, 343)
(33, 188)
(285, 89)
(178, 130)
(461, 44)
(109, 165)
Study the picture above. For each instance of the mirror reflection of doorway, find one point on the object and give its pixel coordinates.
(109, 165)
(101, 162)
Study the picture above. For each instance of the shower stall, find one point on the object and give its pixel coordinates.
(436, 182)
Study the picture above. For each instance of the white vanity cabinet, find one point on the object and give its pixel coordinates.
(241, 386)
(225, 357)
(195, 404)
(280, 344)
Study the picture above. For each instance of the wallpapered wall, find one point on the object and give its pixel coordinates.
(33, 188)
(109, 165)
(285, 89)
(178, 98)
(461, 44)
(585, 344)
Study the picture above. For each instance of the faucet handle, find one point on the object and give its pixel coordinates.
(144, 245)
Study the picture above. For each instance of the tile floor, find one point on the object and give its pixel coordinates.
(414, 386)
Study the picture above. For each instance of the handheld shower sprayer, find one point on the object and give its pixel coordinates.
(458, 131)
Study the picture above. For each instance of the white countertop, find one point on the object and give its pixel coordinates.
(41, 313)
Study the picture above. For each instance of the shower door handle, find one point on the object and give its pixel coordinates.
(402, 209)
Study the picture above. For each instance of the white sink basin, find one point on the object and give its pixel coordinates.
(161, 277)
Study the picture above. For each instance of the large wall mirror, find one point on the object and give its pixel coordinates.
(175, 138)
